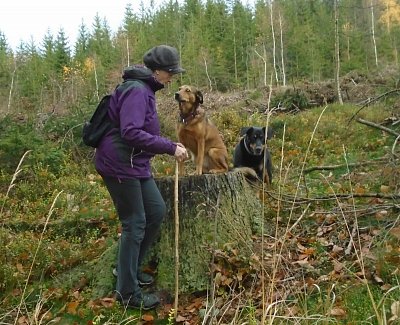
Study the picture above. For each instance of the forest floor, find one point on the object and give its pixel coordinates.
(329, 251)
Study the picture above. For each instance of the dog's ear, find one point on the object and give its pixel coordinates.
(244, 130)
(199, 96)
(269, 132)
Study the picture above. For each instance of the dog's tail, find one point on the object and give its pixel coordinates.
(247, 172)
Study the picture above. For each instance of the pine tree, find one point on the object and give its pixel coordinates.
(82, 45)
(62, 52)
(100, 43)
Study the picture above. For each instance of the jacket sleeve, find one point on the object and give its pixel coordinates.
(136, 130)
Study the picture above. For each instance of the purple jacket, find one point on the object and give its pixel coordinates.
(125, 152)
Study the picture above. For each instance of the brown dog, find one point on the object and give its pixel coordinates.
(198, 134)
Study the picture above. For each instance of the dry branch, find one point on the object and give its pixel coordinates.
(374, 99)
(303, 200)
(380, 127)
(332, 167)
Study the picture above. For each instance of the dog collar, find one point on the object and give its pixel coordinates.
(248, 150)
(186, 119)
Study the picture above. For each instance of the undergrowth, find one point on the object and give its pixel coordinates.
(329, 254)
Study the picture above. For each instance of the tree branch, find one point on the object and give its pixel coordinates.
(332, 167)
(374, 99)
(383, 128)
(303, 200)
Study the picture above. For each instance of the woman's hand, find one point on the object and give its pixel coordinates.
(181, 153)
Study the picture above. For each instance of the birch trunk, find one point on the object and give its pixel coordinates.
(337, 54)
(373, 32)
(282, 56)
(273, 43)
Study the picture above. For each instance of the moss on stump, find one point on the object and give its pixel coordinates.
(214, 210)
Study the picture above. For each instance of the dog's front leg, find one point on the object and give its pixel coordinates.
(200, 157)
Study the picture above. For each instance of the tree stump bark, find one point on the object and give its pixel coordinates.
(214, 210)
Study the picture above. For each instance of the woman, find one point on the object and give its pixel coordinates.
(123, 160)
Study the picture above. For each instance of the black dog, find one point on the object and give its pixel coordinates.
(252, 152)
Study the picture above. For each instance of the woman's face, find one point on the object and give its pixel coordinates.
(163, 77)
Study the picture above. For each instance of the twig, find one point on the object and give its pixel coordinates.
(383, 128)
(350, 245)
(374, 99)
(332, 167)
(303, 200)
(176, 193)
(394, 145)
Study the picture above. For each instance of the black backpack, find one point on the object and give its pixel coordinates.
(100, 123)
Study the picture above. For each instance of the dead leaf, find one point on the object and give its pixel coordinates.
(196, 304)
(337, 266)
(77, 295)
(292, 311)
(180, 319)
(376, 201)
(71, 307)
(23, 320)
(342, 235)
(377, 279)
(107, 302)
(385, 189)
(382, 214)
(148, 318)
(16, 292)
(395, 232)
(309, 251)
(20, 267)
(336, 311)
(395, 308)
(337, 249)
(359, 190)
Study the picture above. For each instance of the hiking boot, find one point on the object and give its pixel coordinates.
(144, 279)
(145, 301)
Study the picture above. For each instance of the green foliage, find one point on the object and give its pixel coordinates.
(18, 138)
(290, 99)
(223, 46)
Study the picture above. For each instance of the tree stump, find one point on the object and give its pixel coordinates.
(214, 210)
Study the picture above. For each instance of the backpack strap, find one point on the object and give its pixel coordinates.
(127, 85)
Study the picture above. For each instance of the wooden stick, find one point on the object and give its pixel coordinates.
(176, 200)
(332, 167)
(374, 99)
(383, 128)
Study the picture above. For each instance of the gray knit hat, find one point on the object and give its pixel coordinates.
(163, 57)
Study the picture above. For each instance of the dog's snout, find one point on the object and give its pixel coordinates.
(177, 96)
(258, 150)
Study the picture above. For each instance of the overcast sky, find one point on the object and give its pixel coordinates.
(21, 20)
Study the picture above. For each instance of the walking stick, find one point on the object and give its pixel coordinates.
(176, 240)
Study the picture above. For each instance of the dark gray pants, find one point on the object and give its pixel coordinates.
(141, 210)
